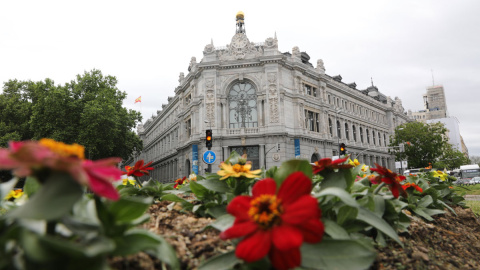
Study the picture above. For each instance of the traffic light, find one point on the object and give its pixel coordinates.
(209, 138)
(278, 147)
(343, 150)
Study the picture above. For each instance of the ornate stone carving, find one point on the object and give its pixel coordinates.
(240, 48)
(211, 113)
(271, 43)
(272, 93)
(209, 49)
(193, 64)
(276, 157)
(320, 66)
(210, 100)
(398, 105)
(296, 55)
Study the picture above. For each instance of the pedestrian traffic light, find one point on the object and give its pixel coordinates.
(209, 138)
(343, 150)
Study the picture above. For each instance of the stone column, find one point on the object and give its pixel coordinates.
(262, 155)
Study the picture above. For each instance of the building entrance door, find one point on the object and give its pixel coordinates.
(253, 154)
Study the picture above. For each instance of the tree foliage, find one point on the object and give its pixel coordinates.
(87, 111)
(424, 143)
(451, 159)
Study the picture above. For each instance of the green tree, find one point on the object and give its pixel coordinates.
(424, 143)
(451, 159)
(87, 111)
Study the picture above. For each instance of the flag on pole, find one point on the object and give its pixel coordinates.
(139, 99)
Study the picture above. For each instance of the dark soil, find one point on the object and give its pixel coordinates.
(449, 242)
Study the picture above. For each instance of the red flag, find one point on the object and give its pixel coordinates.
(139, 99)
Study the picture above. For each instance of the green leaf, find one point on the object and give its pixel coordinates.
(338, 254)
(217, 211)
(199, 190)
(222, 261)
(214, 185)
(54, 199)
(425, 201)
(127, 209)
(339, 179)
(380, 224)
(223, 222)
(334, 230)
(346, 213)
(291, 166)
(339, 193)
(31, 186)
(420, 212)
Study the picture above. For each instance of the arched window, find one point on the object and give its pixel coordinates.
(368, 136)
(330, 126)
(361, 134)
(242, 102)
(354, 131)
(338, 129)
(347, 136)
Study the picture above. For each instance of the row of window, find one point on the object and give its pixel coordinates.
(354, 108)
(168, 142)
(376, 137)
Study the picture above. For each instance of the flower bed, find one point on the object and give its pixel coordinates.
(332, 215)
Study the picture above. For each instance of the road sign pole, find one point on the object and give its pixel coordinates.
(209, 167)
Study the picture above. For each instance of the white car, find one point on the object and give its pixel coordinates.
(475, 180)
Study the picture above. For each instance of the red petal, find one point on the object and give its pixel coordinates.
(103, 188)
(265, 186)
(255, 246)
(296, 185)
(137, 173)
(239, 230)
(284, 260)
(301, 210)
(239, 206)
(312, 230)
(286, 237)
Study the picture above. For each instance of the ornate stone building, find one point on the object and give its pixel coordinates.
(254, 97)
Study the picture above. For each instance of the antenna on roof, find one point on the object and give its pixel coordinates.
(433, 79)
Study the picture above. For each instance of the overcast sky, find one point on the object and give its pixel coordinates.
(146, 44)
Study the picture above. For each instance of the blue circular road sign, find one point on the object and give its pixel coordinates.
(209, 157)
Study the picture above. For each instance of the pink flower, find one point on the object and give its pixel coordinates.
(31, 158)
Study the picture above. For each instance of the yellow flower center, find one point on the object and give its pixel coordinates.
(66, 150)
(239, 168)
(265, 210)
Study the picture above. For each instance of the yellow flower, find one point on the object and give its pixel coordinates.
(354, 162)
(364, 168)
(128, 179)
(16, 193)
(237, 170)
(440, 174)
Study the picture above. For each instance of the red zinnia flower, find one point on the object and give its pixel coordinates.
(328, 164)
(139, 169)
(179, 181)
(407, 185)
(276, 223)
(391, 179)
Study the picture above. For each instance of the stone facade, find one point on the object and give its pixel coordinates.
(254, 97)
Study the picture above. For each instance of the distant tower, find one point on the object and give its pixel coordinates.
(240, 23)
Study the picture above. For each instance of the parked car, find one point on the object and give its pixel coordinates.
(475, 180)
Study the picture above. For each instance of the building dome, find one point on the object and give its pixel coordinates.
(240, 15)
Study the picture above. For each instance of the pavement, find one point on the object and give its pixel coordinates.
(472, 197)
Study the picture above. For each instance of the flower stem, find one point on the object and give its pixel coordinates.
(138, 181)
(378, 188)
(50, 227)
